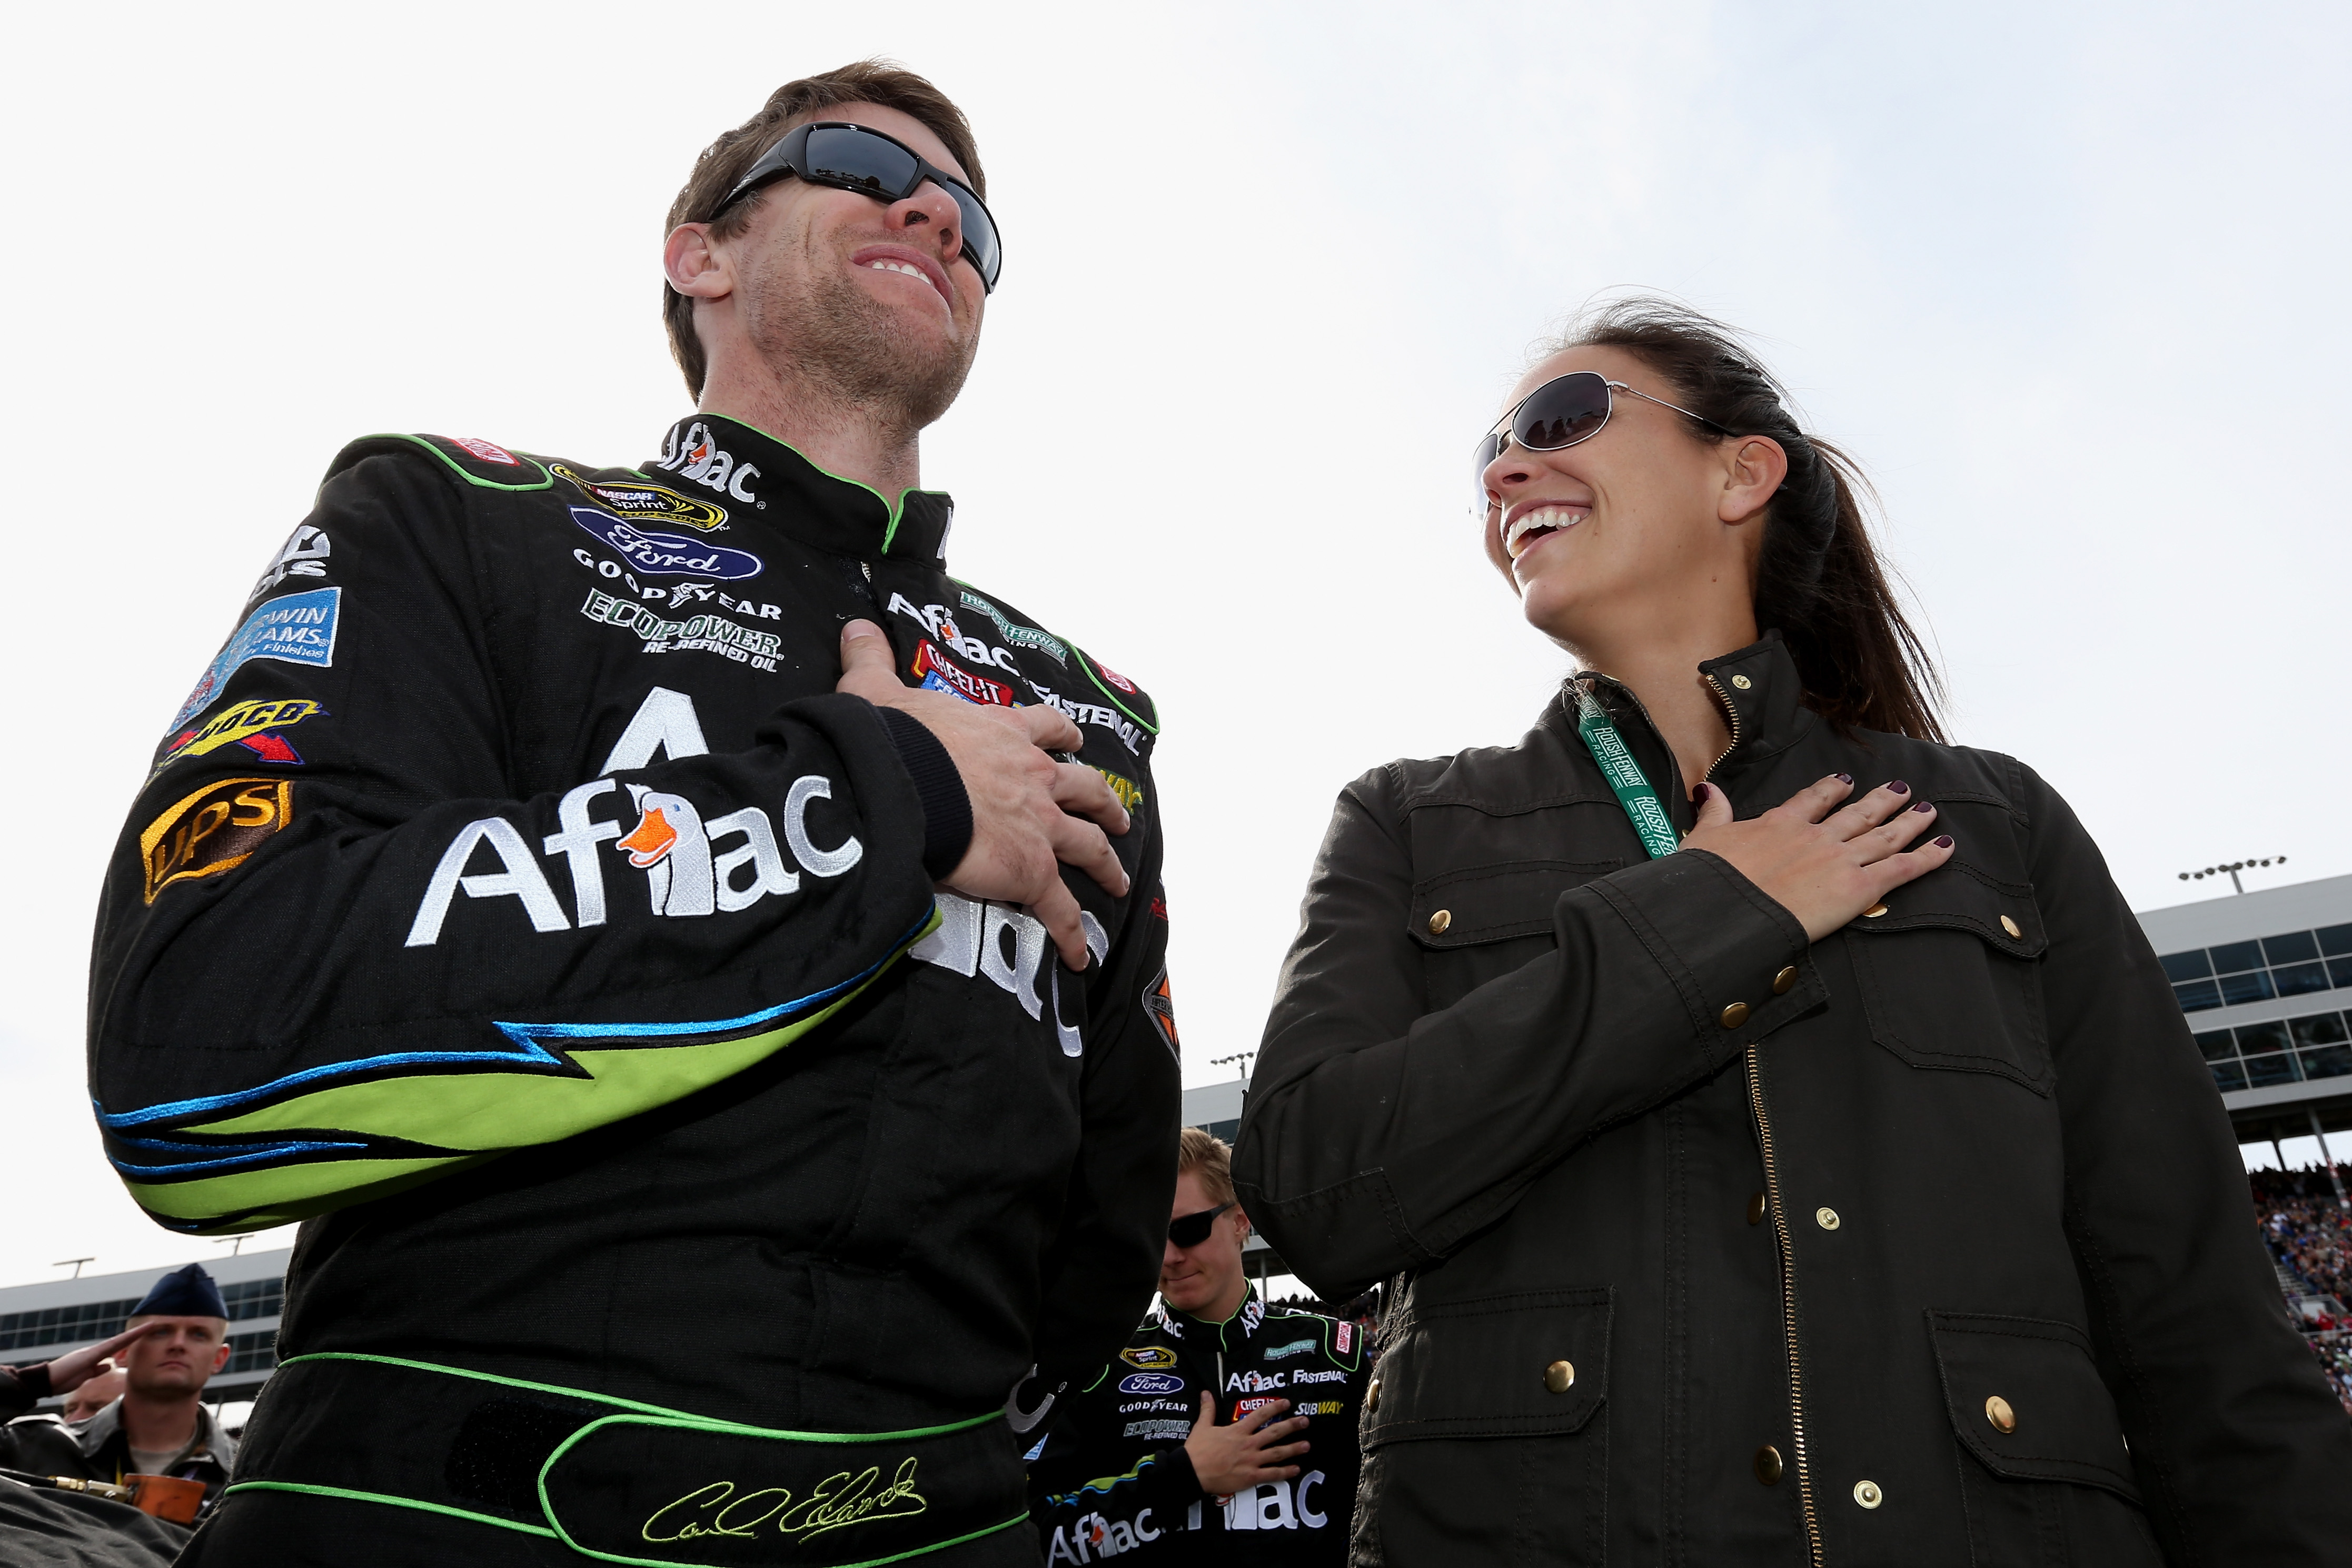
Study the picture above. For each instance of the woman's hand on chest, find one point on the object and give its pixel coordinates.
(1824, 862)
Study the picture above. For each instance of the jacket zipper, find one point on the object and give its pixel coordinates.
(1781, 1240)
(1730, 713)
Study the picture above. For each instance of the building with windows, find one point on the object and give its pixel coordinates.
(39, 1322)
(2266, 979)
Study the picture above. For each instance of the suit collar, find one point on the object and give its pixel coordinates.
(743, 469)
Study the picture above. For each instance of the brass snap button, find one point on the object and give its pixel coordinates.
(1785, 981)
(1998, 1412)
(1558, 1376)
(1439, 921)
(1372, 1397)
(2010, 926)
(1768, 1468)
(1742, 682)
(1735, 1015)
(1867, 1494)
(1756, 1209)
(1826, 1218)
(1872, 912)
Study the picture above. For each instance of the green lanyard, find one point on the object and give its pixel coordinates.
(1624, 775)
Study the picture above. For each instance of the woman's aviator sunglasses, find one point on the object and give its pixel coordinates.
(1560, 413)
(1193, 1228)
(852, 158)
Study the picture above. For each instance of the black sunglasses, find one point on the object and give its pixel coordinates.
(1560, 413)
(854, 158)
(1193, 1229)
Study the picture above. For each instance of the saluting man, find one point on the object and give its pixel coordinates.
(1225, 1431)
(684, 956)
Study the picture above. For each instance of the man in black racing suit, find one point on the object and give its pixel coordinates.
(1225, 1431)
(537, 897)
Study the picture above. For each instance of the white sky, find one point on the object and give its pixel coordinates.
(2068, 280)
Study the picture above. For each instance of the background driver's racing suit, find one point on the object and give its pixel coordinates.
(514, 897)
(1112, 1475)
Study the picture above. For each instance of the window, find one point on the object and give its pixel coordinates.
(62, 1325)
(2291, 963)
(254, 1298)
(1227, 1130)
(2315, 1045)
(256, 1352)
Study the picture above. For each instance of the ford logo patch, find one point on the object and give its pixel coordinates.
(668, 554)
(1151, 1383)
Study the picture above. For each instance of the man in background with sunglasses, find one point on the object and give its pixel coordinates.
(1225, 1431)
(698, 969)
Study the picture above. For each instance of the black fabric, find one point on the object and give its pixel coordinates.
(44, 1529)
(623, 1481)
(1111, 1474)
(961, 1171)
(21, 1388)
(947, 807)
(2001, 1167)
(186, 1292)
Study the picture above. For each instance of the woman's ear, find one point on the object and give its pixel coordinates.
(1753, 470)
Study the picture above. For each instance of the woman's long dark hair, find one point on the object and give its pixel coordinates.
(1818, 579)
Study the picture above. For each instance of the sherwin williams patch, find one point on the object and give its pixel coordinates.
(298, 628)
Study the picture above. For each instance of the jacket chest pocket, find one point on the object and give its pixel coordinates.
(1950, 974)
(1483, 921)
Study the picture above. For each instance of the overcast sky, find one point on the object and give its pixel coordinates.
(2067, 279)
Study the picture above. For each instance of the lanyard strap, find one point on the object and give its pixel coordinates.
(1624, 775)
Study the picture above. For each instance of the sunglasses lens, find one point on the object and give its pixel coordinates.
(854, 161)
(1563, 412)
(1193, 1229)
(980, 242)
(1488, 450)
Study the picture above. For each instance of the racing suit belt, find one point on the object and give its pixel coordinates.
(623, 1481)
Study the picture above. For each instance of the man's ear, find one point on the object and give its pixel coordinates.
(694, 267)
(1752, 472)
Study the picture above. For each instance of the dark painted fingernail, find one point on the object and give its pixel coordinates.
(1899, 787)
(1842, 778)
(1943, 841)
(1925, 806)
(1698, 794)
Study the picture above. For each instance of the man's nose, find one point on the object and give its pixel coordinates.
(1170, 1255)
(931, 208)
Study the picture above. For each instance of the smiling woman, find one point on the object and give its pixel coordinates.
(1732, 1147)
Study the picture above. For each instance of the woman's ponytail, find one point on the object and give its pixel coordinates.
(1818, 578)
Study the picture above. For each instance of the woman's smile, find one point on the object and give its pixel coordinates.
(1532, 521)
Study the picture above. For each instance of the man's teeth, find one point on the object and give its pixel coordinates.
(909, 270)
(1542, 516)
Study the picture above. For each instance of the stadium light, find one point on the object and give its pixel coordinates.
(2233, 868)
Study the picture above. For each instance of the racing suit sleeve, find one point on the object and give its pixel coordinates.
(2240, 1447)
(1104, 1259)
(1088, 1484)
(366, 954)
(1379, 1133)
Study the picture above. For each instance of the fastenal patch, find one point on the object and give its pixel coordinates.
(299, 628)
(705, 634)
(648, 503)
(248, 724)
(216, 829)
(668, 554)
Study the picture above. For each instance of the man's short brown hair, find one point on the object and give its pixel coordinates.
(1211, 1159)
(726, 161)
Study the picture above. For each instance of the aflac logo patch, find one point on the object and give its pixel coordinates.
(694, 454)
(668, 554)
(1151, 1383)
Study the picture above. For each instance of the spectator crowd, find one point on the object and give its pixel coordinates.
(2308, 1233)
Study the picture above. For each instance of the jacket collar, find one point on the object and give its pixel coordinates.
(740, 468)
(211, 1442)
(1767, 712)
(1241, 1328)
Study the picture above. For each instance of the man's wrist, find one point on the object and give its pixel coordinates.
(947, 807)
(35, 1381)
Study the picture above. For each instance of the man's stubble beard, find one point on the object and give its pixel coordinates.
(817, 326)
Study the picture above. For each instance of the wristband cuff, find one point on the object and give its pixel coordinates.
(947, 809)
